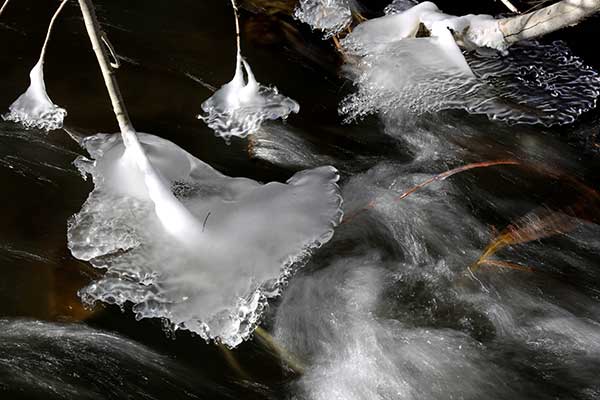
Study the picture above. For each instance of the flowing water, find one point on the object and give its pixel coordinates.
(480, 284)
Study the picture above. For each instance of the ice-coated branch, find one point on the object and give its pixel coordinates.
(510, 6)
(49, 32)
(237, 27)
(3, 6)
(174, 217)
(546, 20)
(485, 31)
(95, 34)
(212, 276)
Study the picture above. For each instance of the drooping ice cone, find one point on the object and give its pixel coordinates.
(239, 107)
(34, 109)
(213, 271)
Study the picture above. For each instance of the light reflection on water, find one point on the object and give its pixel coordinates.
(387, 310)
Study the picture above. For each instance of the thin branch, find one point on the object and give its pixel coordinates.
(205, 220)
(531, 227)
(116, 64)
(436, 178)
(510, 6)
(95, 33)
(448, 174)
(290, 359)
(58, 10)
(234, 363)
(4, 6)
(506, 264)
(237, 27)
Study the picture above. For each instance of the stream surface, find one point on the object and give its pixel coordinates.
(395, 306)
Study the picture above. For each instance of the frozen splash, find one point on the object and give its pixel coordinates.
(250, 237)
(239, 107)
(328, 16)
(395, 71)
(34, 109)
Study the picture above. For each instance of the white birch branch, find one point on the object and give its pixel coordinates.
(95, 34)
(3, 6)
(546, 20)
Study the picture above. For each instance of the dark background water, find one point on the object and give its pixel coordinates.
(161, 44)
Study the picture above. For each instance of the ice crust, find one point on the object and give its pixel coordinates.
(239, 107)
(328, 16)
(397, 6)
(396, 71)
(212, 270)
(34, 109)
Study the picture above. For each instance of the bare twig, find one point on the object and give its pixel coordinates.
(237, 27)
(4, 6)
(95, 34)
(205, 220)
(174, 216)
(510, 6)
(116, 64)
(528, 229)
(506, 264)
(436, 178)
(290, 360)
(233, 362)
(47, 39)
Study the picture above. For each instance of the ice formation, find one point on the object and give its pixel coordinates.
(328, 16)
(240, 106)
(185, 243)
(398, 6)
(34, 109)
(396, 70)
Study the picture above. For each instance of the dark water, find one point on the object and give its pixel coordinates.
(386, 310)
